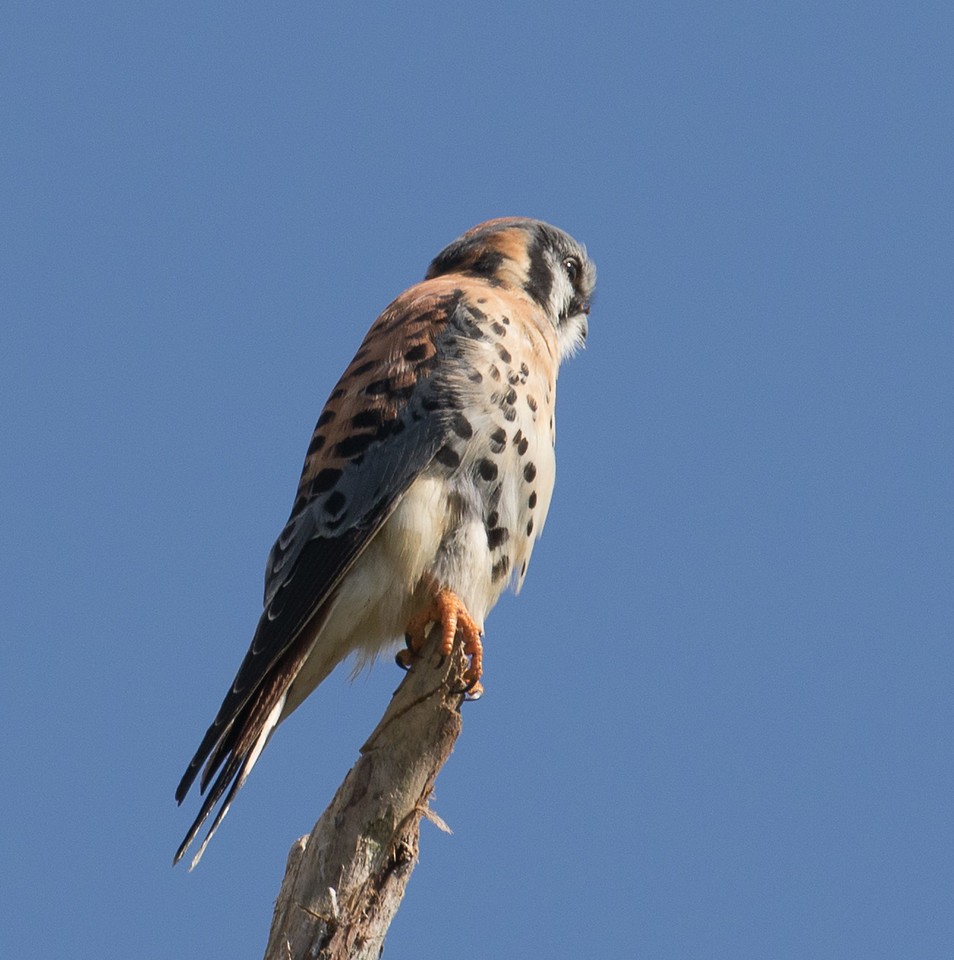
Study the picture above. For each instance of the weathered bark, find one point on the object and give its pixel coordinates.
(344, 882)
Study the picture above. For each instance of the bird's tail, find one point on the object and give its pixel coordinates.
(243, 743)
(240, 731)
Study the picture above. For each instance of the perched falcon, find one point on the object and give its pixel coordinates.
(425, 485)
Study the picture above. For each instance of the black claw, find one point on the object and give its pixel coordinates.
(465, 690)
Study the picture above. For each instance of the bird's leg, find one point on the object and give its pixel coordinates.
(449, 611)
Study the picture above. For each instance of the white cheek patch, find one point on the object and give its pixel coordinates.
(562, 291)
(571, 335)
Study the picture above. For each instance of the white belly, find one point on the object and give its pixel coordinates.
(381, 591)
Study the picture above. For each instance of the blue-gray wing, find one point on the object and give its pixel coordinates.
(389, 415)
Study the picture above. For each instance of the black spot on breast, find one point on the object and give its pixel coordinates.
(524, 370)
(532, 502)
(448, 457)
(529, 472)
(510, 414)
(353, 445)
(326, 417)
(461, 426)
(503, 353)
(505, 320)
(497, 536)
(475, 376)
(325, 480)
(530, 526)
(492, 519)
(498, 440)
(487, 469)
(317, 442)
(494, 372)
(336, 394)
(499, 329)
(522, 446)
(531, 402)
(335, 503)
(510, 397)
(500, 569)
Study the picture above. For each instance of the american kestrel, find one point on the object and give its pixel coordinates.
(425, 485)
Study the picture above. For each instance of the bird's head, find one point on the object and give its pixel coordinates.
(546, 263)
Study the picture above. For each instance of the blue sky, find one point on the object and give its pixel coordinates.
(718, 718)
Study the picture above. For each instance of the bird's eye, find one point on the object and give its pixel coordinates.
(572, 267)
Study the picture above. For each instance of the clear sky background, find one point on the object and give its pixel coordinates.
(718, 720)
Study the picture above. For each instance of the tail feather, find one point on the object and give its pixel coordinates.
(227, 746)
(234, 742)
(227, 774)
(214, 735)
(244, 756)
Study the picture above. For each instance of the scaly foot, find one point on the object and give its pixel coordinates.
(447, 610)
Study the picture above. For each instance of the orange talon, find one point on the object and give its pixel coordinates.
(447, 610)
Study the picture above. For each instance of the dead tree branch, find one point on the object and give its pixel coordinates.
(345, 881)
